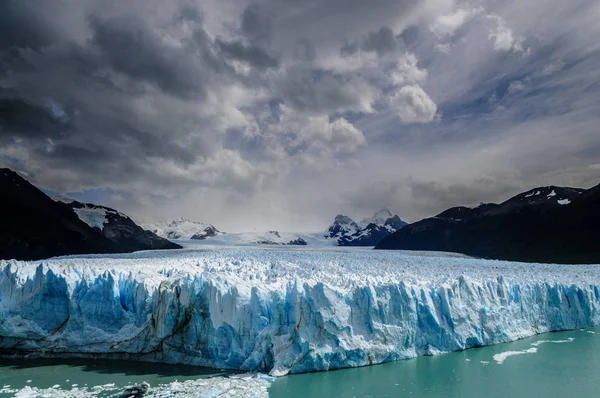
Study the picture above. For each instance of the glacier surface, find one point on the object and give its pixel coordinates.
(282, 310)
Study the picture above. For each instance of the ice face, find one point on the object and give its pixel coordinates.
(284, 310)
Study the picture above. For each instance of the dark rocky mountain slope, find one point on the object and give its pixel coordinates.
(548, 224)
(34, 226)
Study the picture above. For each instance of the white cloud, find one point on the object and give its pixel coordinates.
(328, 93)
(516, 86)
(318, 132)
(503, 37)
(413, 105)
(407, 70)
(552, 68)
(448, 24)
(443, 47)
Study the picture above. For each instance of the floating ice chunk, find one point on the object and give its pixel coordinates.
(551, 194)
(501, 357)
(591, 332)
(563, 201)
(245, 387)
(540, 342)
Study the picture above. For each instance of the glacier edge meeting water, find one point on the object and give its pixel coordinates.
(283, 311)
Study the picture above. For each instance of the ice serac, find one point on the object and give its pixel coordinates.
(283, 311)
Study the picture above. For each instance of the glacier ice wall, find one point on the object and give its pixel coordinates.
(283, 311)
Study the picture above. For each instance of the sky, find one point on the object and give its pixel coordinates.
(280, 114)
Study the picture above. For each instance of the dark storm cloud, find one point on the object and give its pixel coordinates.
(381, 41)
(131, 47)
(304, 51)
(432, 197)
(188, 12)
(256, 30)
(255, 56)
(142, 97)
(115, 102)
(310, 92)
(256, 23)
(21, 26)
(349, 48)
(427, 197)
(18, 116)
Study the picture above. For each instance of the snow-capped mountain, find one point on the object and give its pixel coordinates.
(118, 227)
(182, 228)
(368, 232)
(378, 218)
(545, 224)
(342, 226)
(34, 226)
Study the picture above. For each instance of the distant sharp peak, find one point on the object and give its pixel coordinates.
(368, 232)
(379, 218)
(182, 220)
(342, 219)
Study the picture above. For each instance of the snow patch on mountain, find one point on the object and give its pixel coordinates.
(544, 195)
(182, 228)
(94, 217)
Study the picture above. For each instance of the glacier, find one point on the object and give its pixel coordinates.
(283, 310)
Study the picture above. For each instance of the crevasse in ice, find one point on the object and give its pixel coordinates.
(283, 310)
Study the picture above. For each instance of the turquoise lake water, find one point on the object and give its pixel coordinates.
(550, 365)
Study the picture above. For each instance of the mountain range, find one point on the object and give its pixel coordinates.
(182, 228)
(368, 232)
(546, 224)
(34, 226)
